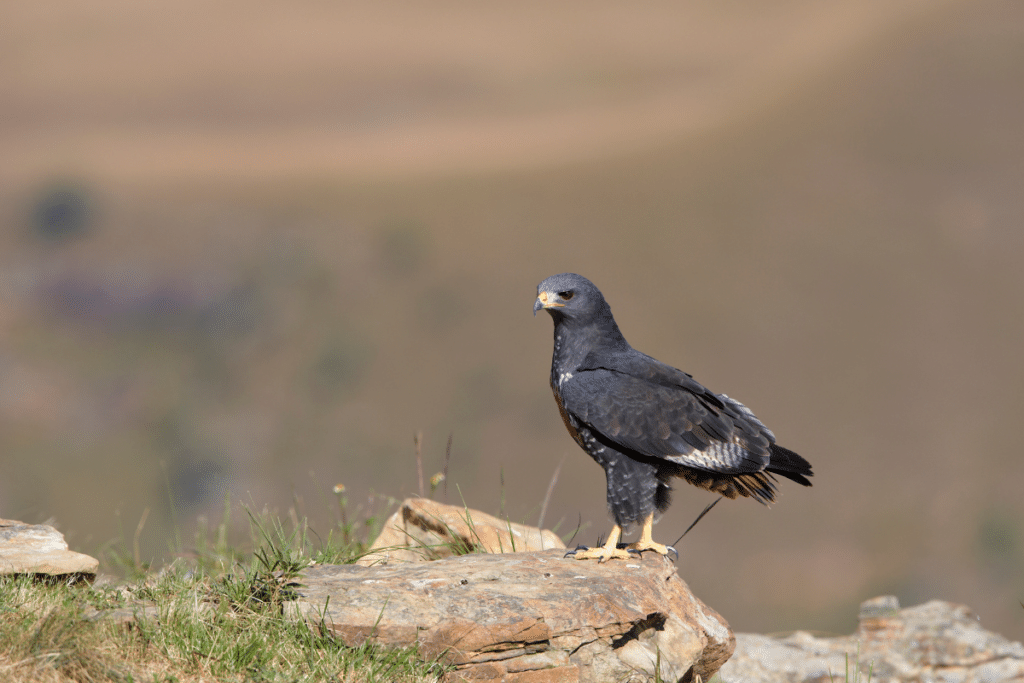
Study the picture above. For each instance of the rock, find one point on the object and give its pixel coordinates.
(525, 617)
(41, 549)
(936, 641)
(422, 529)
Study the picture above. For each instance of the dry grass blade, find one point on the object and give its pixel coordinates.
(418, 442)
(550, 491)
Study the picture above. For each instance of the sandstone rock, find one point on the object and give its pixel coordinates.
(422, 529)
(525, 617)
(41, 549)
(936, 641)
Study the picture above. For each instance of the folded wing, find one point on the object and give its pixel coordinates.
(673, 418)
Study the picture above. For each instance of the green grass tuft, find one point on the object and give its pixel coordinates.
(213, 615)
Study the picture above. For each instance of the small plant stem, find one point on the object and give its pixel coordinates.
(447, 457)
(135, 541)
(547, 496)
(418, 441)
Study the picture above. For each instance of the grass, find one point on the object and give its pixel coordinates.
(854, 673)
(214, 616)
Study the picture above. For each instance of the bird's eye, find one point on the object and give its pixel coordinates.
(565, 296)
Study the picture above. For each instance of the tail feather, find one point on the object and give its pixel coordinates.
(788, 464)
(756, 485)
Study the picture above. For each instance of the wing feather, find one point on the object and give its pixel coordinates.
(677, 421)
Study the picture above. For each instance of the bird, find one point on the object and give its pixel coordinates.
(647, 423)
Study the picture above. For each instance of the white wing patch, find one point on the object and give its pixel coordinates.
(720, 457)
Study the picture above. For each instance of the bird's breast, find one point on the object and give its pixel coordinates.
(566, 419)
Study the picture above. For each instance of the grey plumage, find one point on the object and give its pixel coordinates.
(647, 423)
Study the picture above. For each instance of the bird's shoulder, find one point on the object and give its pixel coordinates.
(630, 387)
(633, 368)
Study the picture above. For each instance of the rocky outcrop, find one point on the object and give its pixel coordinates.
(41, 549)
(422, 529)
(936, 641)
(525, 617)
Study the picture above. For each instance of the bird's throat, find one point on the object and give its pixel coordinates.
(573, 343)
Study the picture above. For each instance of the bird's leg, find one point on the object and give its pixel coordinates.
(608, 551)
(646, 542)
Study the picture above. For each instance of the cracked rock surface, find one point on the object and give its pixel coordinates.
(937, 641)
(526, 617)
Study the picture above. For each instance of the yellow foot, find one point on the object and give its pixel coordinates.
(647, 544)
(600, 553)
(610, 550)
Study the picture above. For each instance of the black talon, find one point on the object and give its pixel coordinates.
(674, 551)
(574, 551)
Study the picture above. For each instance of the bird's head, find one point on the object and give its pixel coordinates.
(583, 319)
(571, 296)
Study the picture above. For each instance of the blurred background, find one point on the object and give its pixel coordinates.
(248, 250)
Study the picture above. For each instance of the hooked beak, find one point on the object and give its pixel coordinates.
(546, 300)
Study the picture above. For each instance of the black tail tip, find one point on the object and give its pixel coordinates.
(790, 465)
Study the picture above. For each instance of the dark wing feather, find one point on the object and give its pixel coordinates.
(681, 422)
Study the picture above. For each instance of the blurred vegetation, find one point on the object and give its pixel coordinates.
(61, 212)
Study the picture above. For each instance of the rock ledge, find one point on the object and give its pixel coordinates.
(525, 617)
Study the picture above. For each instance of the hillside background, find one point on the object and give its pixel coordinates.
(251, 248)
